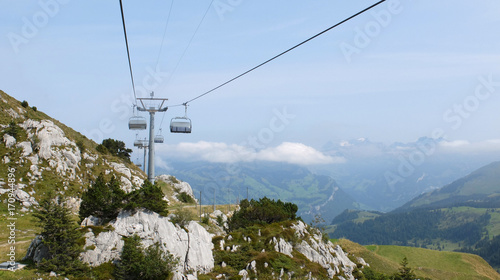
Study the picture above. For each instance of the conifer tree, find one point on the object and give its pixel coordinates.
(158, 264)
(103, 199)
(115, 147)
(149, 264)
(405, 272)
(132, 260)
(60, 235)
(150, 196)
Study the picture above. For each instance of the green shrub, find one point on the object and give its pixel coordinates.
(80, 145)
(220, 220)
(182, 218)
(13, 130)
(205, 220)
(185, 198)
(280, 261)
(174, 180)
(237, 260)
(370, 274)
(24, 104)
(149, 196)
(104, 271)
(101, 149)
(149, 264)
(263, 211)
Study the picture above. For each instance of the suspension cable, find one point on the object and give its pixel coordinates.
(128, 53)
(185, 50)
(164, 32)
(282, 53)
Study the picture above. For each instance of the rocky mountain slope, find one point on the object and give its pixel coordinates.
(47, 155)
(41, 154)
(203, 250)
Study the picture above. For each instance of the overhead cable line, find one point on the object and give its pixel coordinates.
(282, 53)
(128, 53)
(190, 40)
(164, 32)
(185, 50)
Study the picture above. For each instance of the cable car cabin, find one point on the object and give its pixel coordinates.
(180, 125)
(137, 123)
(138, 143)
(158, 138)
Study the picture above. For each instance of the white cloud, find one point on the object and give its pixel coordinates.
(454, 144)
(463, 146)
(159, 162)
(296, 153)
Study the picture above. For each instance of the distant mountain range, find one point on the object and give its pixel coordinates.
(463, 216)
(374, 176)
(313, 194)
(384, 177)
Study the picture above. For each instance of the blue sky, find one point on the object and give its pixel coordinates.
(404, 70)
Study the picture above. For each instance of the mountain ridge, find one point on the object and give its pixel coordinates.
(383, 177)
(482, 184)
(314, 194)
(453, 218)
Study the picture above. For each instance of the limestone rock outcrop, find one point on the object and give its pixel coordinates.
(192, 245)
(178, 186)
(309, 243)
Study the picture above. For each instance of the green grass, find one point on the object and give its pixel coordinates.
(365, 216)
(26, 229)
(437, 265)
(494, 226)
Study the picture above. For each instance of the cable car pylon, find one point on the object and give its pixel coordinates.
(151, 110)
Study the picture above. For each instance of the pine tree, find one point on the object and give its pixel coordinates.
(158, 264)
(132, 260)
(60, 235)
(150, 264)
(103, 199)
(115, 147)
(405, 272)
(150, 197)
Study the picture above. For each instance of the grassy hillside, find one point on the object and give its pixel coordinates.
(462, 216)
(426, 263)
(482, 185)
(448, 229)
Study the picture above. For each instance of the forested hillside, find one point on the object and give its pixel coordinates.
(462, 216)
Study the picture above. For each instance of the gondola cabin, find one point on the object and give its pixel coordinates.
(180, 125)
(138, 143)
(137, 123)
(159, 139)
